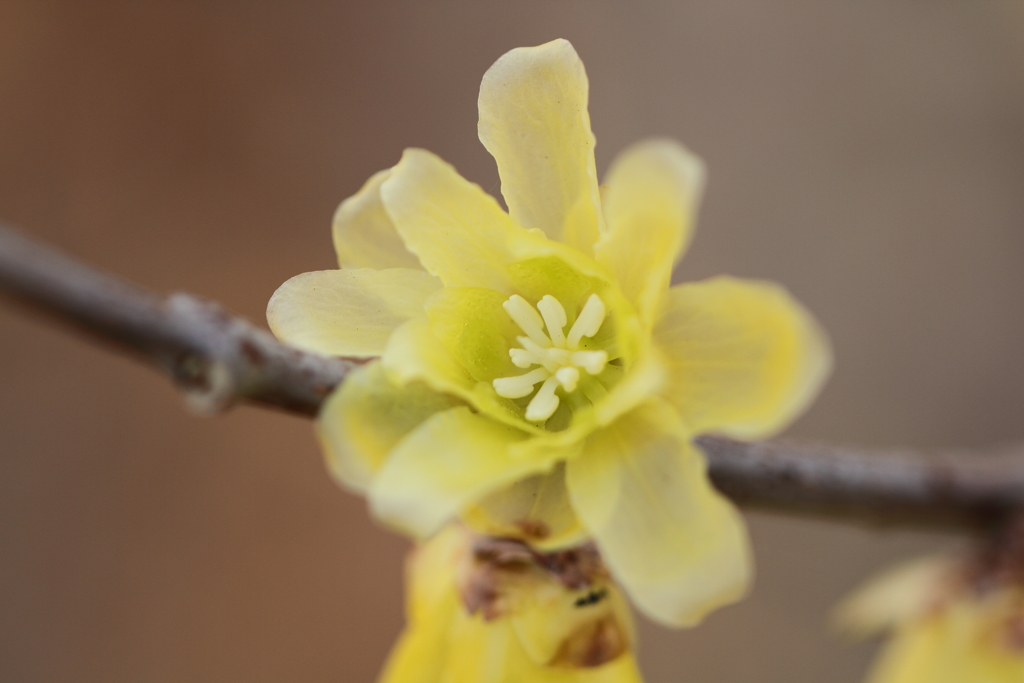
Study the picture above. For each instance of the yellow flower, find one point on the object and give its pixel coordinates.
(525, 625)
(950, 623)
(532, 372)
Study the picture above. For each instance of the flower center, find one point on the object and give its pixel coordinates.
(557, 355)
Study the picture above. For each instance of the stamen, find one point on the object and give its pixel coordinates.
(568, 377)
(556, 359)
(526, 317)
(554, 318)
(522, 358)
(588, 322)
(544, 403)
(549, 358)
(517, 387)
(591, 361)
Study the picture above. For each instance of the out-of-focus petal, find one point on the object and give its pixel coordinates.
(677, 546)
(432, 604)
(955, 645)
(650, 204)
(422, 651)
(450, 461)
(364, 236)
(898, 595)
(430, 571)
(347, 312)
(367, 416)
(491, 652)
(744, 358)
(534, 121)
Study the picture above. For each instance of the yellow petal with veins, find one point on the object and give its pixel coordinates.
(744, 358)
(453, 459)
(364, 236)
(898, 595)
(458, 232)
(534, 121)
(367, 416)
(347, 312)
(650, 205)
(677, 546)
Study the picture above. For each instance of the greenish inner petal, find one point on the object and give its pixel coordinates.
(471, 323)
(544, 355)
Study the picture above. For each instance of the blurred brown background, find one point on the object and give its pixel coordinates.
(869, 155)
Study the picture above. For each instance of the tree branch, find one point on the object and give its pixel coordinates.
(216, 357)
(885, 487)
(220, 359)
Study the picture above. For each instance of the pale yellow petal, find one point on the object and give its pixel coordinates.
(650, 205)
(458, 231)
(897, 595)
(744, 357)
(644, 378)
(347, 312)
(677, 546)
(535, 509)
(364, 236)
(367, 416)
(534, 121)
(450, 461)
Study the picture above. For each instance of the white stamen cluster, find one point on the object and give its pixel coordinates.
(558, 355)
